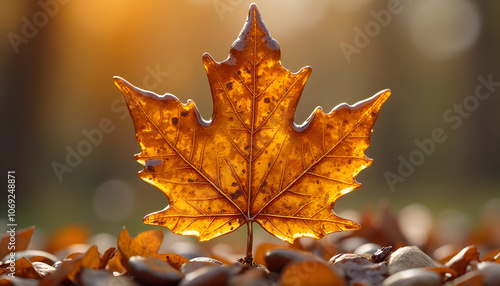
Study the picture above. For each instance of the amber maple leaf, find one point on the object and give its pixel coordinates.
(250, 162)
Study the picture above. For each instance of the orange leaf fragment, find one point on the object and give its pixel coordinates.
(251, 162)
(25, 269)
(70, 268)
(22, 240)
(460, 261)
(68, 235)
(309, 272)
(146, 243)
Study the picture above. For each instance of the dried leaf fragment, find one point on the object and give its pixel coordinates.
(250, 162)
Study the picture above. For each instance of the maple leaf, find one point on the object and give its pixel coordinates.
(250, 162)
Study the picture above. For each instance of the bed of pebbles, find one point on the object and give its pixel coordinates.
(389, 250)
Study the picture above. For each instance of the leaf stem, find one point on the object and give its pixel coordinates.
(249, 258)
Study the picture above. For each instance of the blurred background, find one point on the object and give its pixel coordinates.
(58, 57)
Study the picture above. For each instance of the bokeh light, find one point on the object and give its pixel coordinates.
(443, 29)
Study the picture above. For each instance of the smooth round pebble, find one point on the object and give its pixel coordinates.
(409, 257)
(89, 276)
(251, 277)
(153, 271)
(206, 259)
(413, 277)
(277, 258)
(213, 276)
(189, 267)
(491, 272)
(367, 248)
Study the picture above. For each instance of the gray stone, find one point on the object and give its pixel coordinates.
(413, 277)
(409, 257)
(491, 272)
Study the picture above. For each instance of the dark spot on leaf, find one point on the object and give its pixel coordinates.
(175, 120)
(243, 171)
(238, 72)
(229, 85)
(150, 168)
(317, 182)
(269, 164)
(230, 223)
(231, 118)
(288, 207)
(236, 194)
(329, 126)
(240, 220)
(234, 184)
(184, 113)
(246, 147)
(349, 161)
(267, 100)
(264, 184)
(190, 180)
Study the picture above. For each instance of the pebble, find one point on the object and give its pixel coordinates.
(103, 277)
(43, 268)
(491, 272)
(153, 271)
(409, 257)
(206, 259)
(357, 269)
(189, 267)
(251, 277)
(367, 248)
(212, 275)
(412, 277)
(276, 259)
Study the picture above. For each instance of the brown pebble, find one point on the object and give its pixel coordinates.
(153, 271)
(89, 276)
(277, 258)
(189, 267)
(213, 276)
(251, 277)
